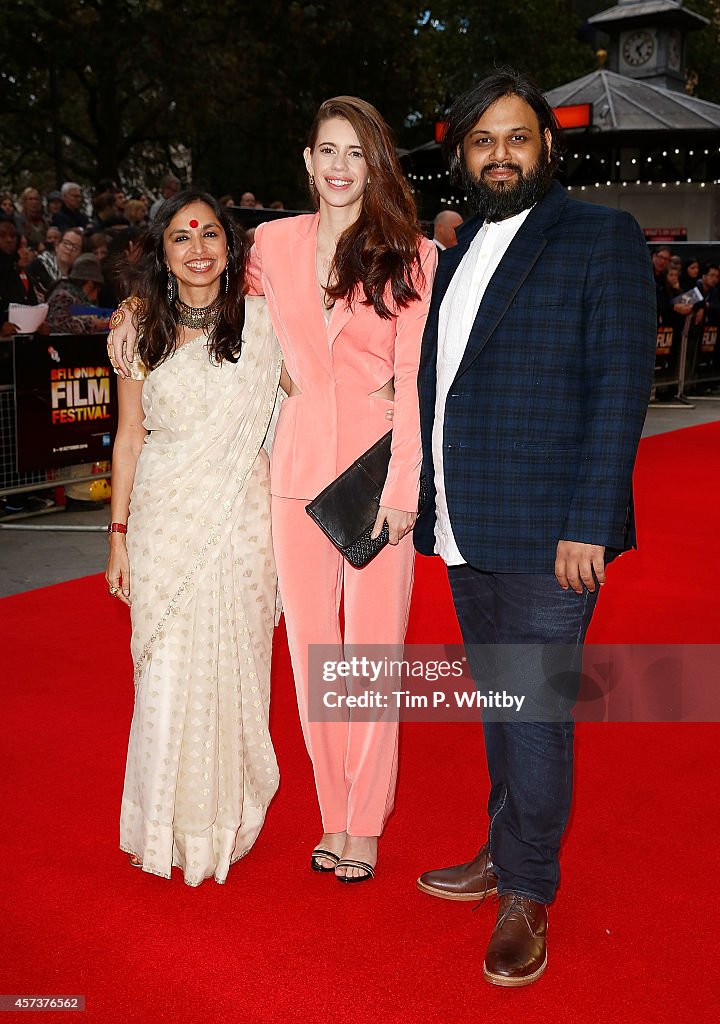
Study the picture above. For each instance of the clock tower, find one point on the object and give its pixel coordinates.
(646, 39)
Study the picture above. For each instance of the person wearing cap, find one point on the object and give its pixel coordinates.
(53, 201)
(81, 288)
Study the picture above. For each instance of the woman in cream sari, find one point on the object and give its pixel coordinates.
(190, 495)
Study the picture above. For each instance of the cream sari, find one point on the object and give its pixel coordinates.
(201, 769)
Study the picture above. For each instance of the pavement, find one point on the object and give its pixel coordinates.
(41, 550)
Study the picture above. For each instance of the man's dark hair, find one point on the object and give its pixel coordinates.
(707, 267)
(467, 110)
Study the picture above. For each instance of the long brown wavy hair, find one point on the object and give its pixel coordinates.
(146, 275)
(381, 249)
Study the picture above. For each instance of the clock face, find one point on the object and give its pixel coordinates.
(674, 51)
(638, 48)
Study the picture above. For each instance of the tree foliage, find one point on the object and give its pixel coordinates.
(704, 52)
(123, 88)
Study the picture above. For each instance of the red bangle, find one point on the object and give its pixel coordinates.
(117, 528)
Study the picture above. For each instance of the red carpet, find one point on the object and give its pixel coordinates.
(633, 936)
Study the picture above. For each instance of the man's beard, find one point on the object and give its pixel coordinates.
(506, 199)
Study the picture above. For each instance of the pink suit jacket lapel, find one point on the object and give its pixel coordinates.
(303, 250)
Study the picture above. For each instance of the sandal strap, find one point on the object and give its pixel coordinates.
(345, 863)
(325, 854)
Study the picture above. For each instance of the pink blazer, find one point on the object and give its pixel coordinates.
(337, 367)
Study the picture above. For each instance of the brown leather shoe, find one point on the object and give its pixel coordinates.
(472, 881)
(517, 954)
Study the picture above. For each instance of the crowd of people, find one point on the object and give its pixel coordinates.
(53, 250)
(688, 296)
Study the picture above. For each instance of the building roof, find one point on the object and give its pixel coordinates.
(627, 104)
(645, 8)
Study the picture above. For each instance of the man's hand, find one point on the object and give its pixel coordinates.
(399, 523)
(122, 338)
(575, 563)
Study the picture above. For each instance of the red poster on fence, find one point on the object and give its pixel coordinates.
(65, 400)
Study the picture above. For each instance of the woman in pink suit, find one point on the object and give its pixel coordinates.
(348, 291)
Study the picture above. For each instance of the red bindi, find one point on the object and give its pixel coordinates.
(193, 223)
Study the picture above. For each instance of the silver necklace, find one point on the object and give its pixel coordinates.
(199, 317)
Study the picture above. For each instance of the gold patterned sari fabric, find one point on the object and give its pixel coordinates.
(201, 768)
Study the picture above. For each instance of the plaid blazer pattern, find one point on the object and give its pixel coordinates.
(544, 416)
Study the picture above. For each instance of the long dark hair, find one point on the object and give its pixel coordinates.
(467, 110)
(147, 276)
(380, 249)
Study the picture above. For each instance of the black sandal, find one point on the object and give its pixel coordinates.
(319, 854)
(346, 863)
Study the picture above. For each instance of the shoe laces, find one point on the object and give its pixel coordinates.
(515, 906)
(483, 850)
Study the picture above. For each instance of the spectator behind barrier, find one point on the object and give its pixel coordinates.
(169, 186)
(54, 205)
(70, 214)
(690, 273)
(709, 285)
(444, 226)
(81, 288)
(53, 236)
(105, 211)
(123, 248)
(30, 221)
(136, 213)
(50, 266)
(12, 288)
(98, 244)
(7, 206)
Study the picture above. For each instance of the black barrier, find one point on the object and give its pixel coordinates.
(65, 400)
(703, 369)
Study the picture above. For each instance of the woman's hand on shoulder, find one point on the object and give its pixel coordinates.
(123, 336)
(399, 523)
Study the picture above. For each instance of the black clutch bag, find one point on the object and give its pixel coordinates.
(347, 508)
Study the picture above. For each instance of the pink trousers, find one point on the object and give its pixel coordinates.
(355, 763)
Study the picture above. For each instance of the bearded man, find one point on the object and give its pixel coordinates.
(536, 370)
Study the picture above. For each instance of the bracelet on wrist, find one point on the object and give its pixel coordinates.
(117, 528)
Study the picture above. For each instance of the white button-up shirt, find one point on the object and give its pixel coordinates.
(457, 315)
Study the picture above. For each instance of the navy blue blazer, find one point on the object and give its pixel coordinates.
(544, 417)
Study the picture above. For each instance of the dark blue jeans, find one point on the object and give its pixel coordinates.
(530, 762)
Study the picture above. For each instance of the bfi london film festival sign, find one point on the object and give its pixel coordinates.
(66, 400)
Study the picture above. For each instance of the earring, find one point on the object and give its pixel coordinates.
(312, 181)
(227, 278)
(171, 286)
